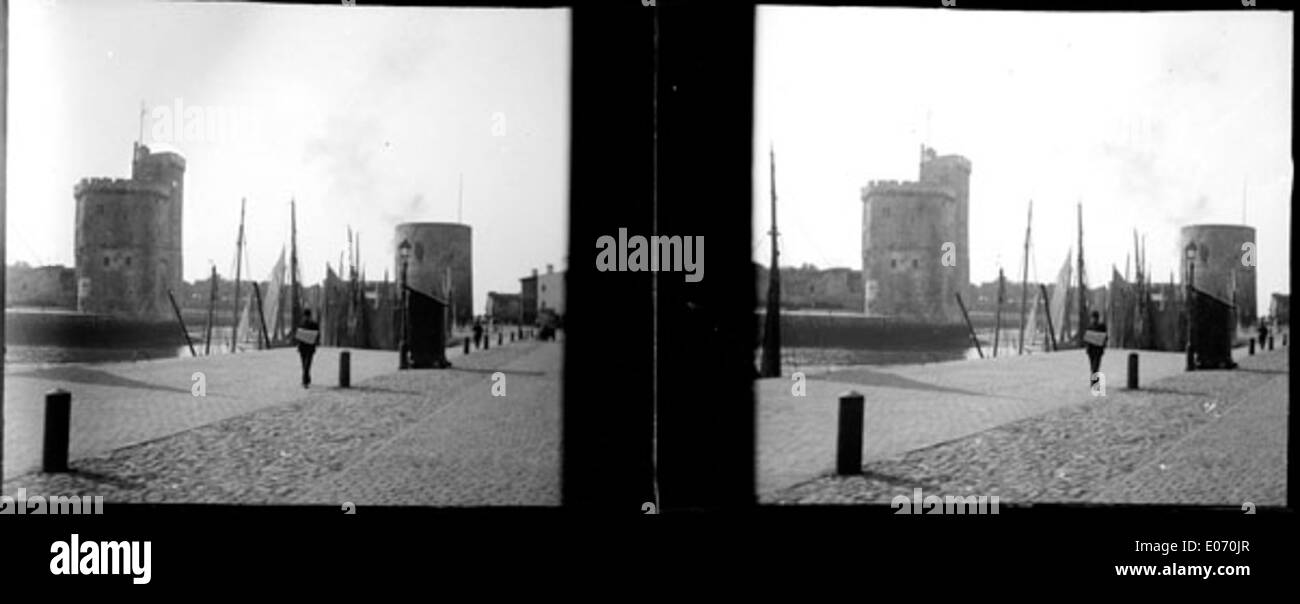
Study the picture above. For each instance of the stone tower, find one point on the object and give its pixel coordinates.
(128, 238)
(953, 172)
(904, 228)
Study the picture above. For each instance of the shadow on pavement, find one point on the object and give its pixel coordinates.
(85, 375)
(867, 377)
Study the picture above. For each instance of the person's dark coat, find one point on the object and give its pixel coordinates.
(306, 351)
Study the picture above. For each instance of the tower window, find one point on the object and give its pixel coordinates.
(105, 260)
(914, 263)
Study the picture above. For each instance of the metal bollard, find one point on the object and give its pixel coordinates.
(512, 338)
(501, 338)
(1270, 342)
(848, 457)
(1132, 371)
(487, 341)
(1191, 358)
(466, 344)
(58, 412)
(1252, 346)
(345, 369)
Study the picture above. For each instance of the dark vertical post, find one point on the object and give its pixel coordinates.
(1024, 281)
(973, 337)
(404, 348)
(1270, 341)
(212, 303)
(1132, 371)
(1047, 306)
(848, 457)
(239, 263)
(501, 338)
(1252, 346)
(772, 316)
(181, 321)
(345, 369)
(1191, 303)
(58, 412)
(997, 313)
(466, 344)
(261, 318)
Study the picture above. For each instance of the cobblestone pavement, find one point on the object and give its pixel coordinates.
(1237, 459)
(277, 455)
(909, 407)
(476, 450)
(121, 404)
(1196, 437)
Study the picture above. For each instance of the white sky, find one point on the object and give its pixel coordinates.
(1153, 120)
(367, 115)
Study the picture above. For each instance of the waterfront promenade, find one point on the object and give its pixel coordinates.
(120, 404)
(117, 405)
(418, 437)
(912, 407)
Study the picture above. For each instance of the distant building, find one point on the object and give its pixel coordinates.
(1280, 309)
(128, 238)
(906, 226)
(550, 291)
(528, 298)
(503, 308)
(44, 286)
(808, 287)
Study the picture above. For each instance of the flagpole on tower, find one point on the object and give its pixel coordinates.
(140, 138)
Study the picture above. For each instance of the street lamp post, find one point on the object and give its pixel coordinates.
(1190, 254)
(404, 253)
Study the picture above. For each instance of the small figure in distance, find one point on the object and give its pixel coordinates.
(1095, 339)
(308, 335)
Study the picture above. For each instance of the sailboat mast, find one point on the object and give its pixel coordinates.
(1083, 285)
(772, 327)
(1024, 279)
(239, 257)
(212, 303)
(997, 313)
(295, 296)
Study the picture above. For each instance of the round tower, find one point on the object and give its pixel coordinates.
(436, 249)
(953, 172)
(1223, 268)
(168, 169)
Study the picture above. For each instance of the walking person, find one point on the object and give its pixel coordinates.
(1095, 339)
(308, 335)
